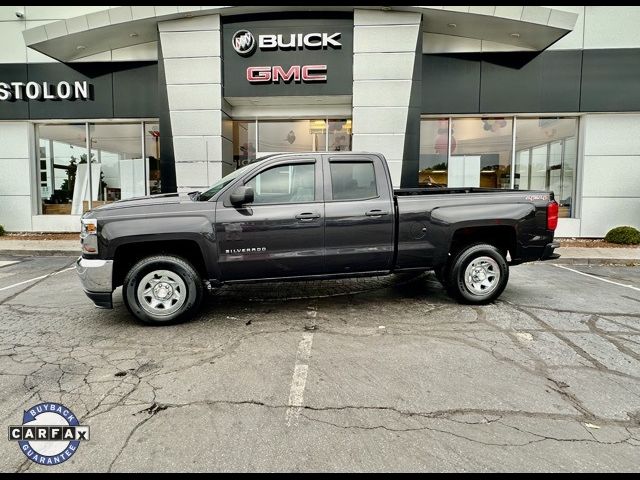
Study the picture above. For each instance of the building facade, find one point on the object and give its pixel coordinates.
(104, 103)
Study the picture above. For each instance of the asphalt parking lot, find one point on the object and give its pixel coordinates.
(384, 374)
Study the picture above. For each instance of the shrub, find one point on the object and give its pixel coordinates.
(623, 235)
(1, 230)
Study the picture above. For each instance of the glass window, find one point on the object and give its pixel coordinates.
(353, 180)
(339, 135)
(546, 152)
(288, 136)
(284, 184)
(119, 167)
(152, 153)
(434, 137)
(117, 148)
(279, 136)
(480, 153)
(244, 142)
(61, 153)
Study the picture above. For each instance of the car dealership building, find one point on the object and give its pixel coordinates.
(99, 104)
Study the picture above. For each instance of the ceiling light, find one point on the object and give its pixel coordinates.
(80, 47)
(133, 35)
(386, 9)
(452, 25)
(515, 35)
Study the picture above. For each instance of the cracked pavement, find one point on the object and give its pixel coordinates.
(398, 377)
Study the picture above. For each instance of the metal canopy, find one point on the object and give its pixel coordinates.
(525, 27)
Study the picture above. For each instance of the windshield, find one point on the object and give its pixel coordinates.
(223, 182)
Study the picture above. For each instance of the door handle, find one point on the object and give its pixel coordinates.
(376, 213)
(306, 216)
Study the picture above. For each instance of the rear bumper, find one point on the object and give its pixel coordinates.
(96, 279)
(548, 254)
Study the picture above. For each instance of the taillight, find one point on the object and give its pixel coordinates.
(552, 215)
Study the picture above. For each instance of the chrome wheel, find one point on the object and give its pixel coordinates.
(161, 292)
(482, 276)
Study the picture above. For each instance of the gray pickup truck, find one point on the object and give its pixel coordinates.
(308, 216)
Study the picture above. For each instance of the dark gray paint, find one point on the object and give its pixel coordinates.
(167, 158)
(135, 92)
(99, 105)
(611, 80)
(450, 83)
(414, 229)
(549, 82)
(507, 82)
(339, 61)
(411, 150)
(14, 109)
(118, 90)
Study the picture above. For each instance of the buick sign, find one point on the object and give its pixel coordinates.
(244, 43)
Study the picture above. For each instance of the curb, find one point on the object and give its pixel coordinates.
(41, 253)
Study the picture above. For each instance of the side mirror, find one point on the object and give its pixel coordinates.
(241, 196)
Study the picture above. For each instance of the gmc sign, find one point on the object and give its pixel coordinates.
(297, 73)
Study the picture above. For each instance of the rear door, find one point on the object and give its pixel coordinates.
(359, 216)
(280, 234)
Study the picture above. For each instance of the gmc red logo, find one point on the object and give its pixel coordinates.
(296, 73)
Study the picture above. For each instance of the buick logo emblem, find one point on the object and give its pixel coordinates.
(244, 43)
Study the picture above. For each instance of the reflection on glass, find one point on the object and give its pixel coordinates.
(287, 136)
(350, 181)
(481, 153)
(284, 184)
(339, 135)
(152, 153)
(117, 149)
(546, 152)
(244, 142)
(434, 136)
(61, 149)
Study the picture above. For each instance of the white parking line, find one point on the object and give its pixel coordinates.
(299, 379)
(37, 278)
(6, 263)
(598, 278)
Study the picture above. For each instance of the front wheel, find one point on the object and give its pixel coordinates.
(478, 275)
(162, 290)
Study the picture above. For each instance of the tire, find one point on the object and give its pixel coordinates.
(178, 290)
(478, 275)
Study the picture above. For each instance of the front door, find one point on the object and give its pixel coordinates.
(280, 234)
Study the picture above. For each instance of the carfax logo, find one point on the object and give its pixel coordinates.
(50, 433)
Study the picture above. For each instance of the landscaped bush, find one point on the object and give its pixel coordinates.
(1, 230)
(624, 235)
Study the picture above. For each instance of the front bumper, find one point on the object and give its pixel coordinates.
(96, 277)
(548, 254)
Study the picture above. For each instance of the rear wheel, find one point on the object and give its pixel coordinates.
(478, 275)
(162, 290)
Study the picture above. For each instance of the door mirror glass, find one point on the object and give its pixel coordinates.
(242, 196)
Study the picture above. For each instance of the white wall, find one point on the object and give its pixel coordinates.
(610, 173)
(15, 175)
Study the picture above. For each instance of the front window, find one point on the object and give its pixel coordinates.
(284, 184)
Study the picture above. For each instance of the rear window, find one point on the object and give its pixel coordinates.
(353, 180)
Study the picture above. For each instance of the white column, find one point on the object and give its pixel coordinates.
(384, 56)
(202, 137)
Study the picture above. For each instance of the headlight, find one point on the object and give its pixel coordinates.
(89, 235)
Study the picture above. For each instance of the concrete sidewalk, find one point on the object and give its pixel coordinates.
(569, 255)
